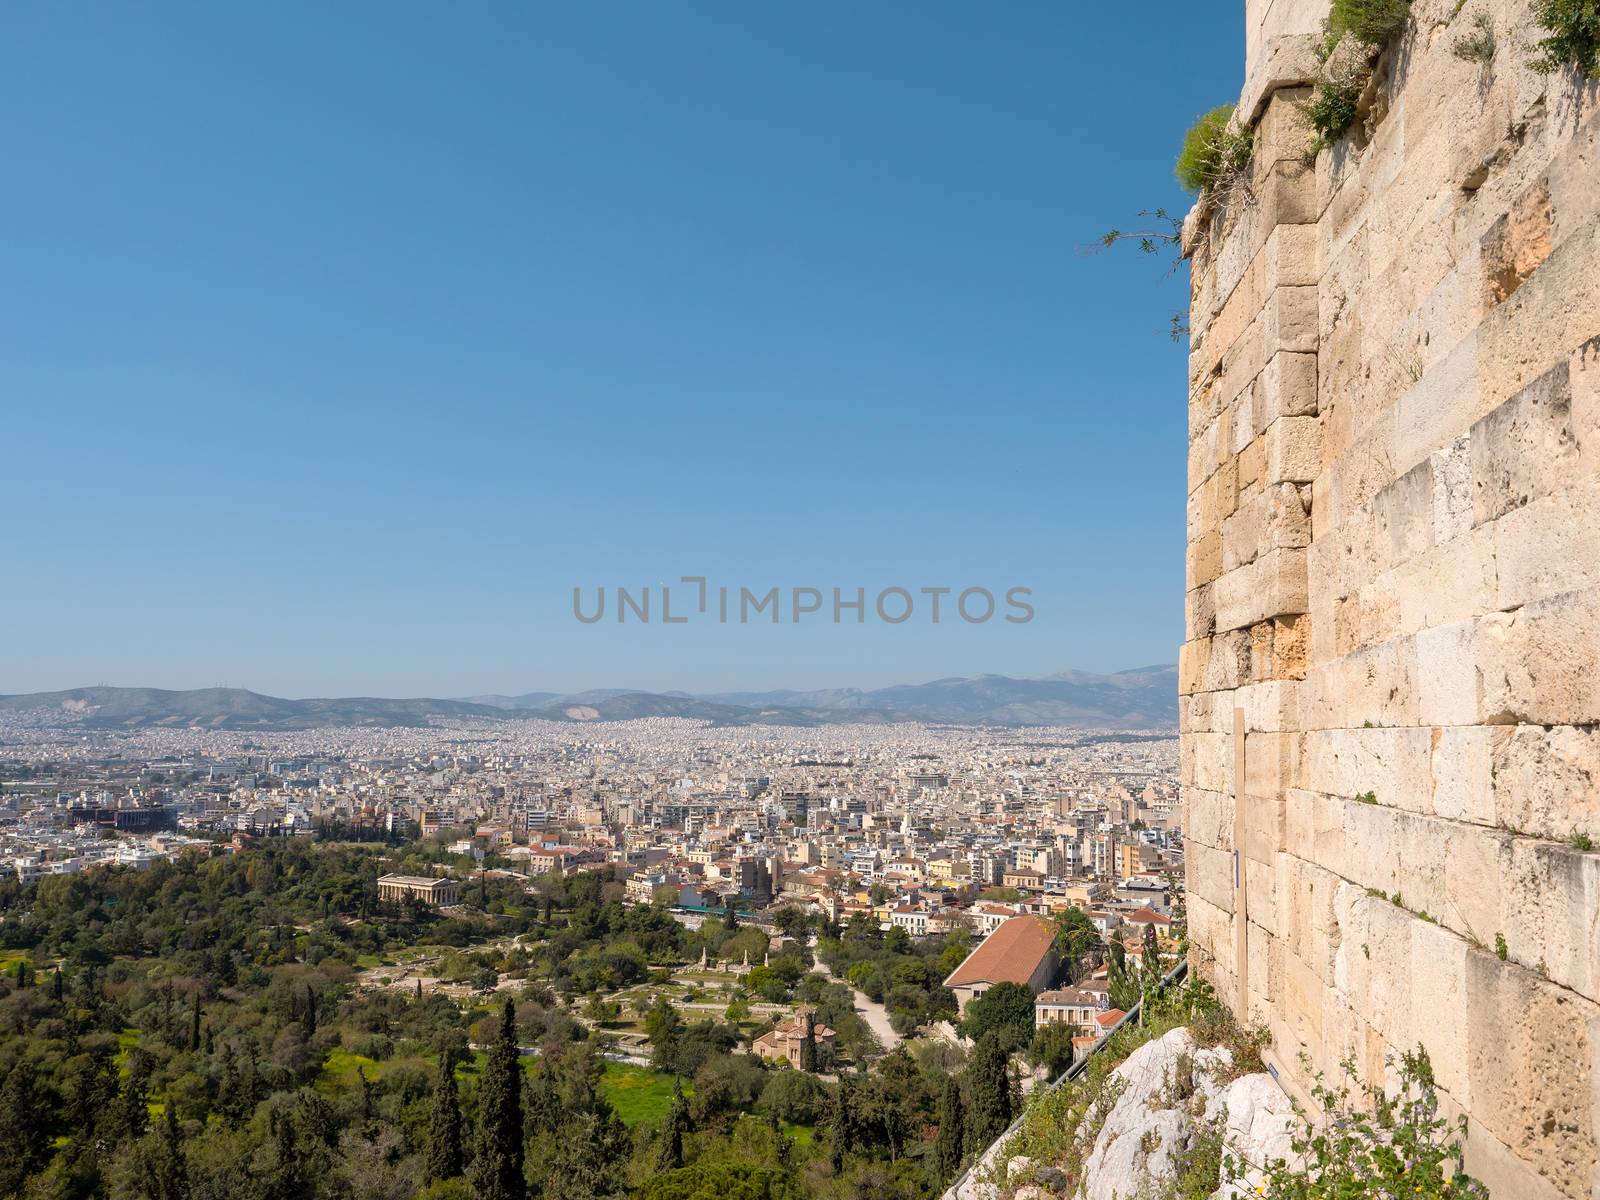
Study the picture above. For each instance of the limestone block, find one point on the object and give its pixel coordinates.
(1213, 761)
(1441, 406)
(1273, 585)
(1439, 986)
(1272, 763)
(1525, 448)
(1205, 558)
(1278, 516)
(1461, 773)
(1450, 583)
(1551, 893)
(1549, 546)
(1270, 706)
(1252, 464)
(1209, 874)
(1289, 320)
(1452, 489)
(1393, 765)
(1208, 818)
(1541, 664)
(1287, 387)
(1193, 659)
(1555, 310)
(1546, 782)
(1448, 674)
(1200, 613)
(1517, 243)
(1229, 663)
(1293, 450)
(1532, 1061)
(1402, 518)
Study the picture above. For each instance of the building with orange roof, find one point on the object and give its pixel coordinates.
(1020, 950)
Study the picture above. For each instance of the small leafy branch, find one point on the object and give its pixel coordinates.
(1164, 232)
(1372, 1144)
(1167, 233)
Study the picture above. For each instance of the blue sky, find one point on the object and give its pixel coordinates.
(340, 342)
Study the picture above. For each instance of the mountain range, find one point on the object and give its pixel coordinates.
(1144, 698)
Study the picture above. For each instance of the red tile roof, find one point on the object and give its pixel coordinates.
(1011, 954)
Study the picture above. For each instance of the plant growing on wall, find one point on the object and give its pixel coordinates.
(1572, 36)
(1372, 22)
(1353, 35)
(1214, 154)
(1369, 1143)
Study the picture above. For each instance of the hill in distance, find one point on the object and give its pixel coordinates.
(1141, 699)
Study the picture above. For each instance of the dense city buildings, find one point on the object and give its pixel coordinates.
(917, 828)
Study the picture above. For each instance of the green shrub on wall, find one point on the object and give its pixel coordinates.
(1352, 36)
(1213, 151)
(1375, 22)
(1573, 28)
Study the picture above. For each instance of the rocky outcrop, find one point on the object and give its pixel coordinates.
(1147, 1125)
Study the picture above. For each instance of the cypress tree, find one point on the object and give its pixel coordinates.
(497, 1169)
(165, 1172)
(989, 1086)
(673, 1129)
(841, 1127)
(308, 1018)
(21, 1116)
(947, 1146)
(286, 1181)
(444, 1126)
(133, 1116)
(194, 1024)
(57, 989)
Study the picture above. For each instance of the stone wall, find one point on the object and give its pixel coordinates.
(1391, 683)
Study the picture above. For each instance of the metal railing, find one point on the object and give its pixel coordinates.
(1177, 975)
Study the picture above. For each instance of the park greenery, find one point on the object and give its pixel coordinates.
(246, 1026)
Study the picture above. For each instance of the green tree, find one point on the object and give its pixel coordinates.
(841, 1124)
(673, 1129)
(1005, 1009)
(287, 1178)
(444, 1126)
(989, 1087)
(497, 1168)
(163, 1170)
(22, 1117)
(947, 1146)
(1052, 1048)
(1076, 937)
(133, 1114)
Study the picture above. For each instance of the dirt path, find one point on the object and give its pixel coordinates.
(874, 1014)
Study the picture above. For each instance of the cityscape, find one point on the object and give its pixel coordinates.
(772, 602)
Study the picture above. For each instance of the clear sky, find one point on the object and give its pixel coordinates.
(340, 342)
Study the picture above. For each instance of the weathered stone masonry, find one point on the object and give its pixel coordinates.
(1391, 683)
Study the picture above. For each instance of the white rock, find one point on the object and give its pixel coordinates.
(1258, 1129)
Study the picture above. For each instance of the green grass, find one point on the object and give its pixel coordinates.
(638, 1094)
(341, 1070)
(800, 1134)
